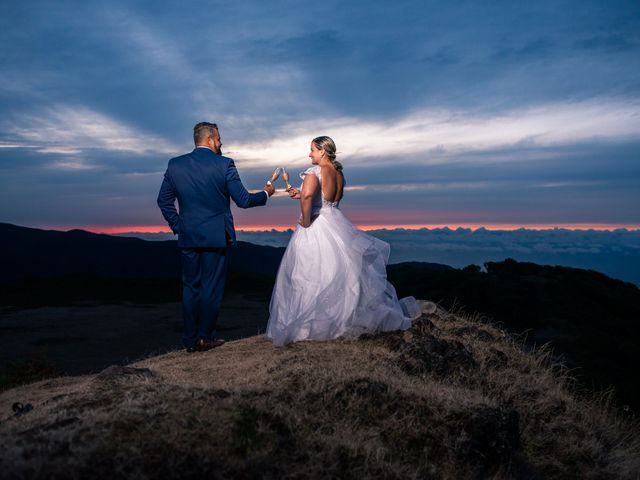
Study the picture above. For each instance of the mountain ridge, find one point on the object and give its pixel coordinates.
(30, 252)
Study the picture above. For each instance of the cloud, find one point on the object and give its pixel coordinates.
(14, 145)
(421, 187)
(435, 136)
(615, 253)
(162, 55)
(60, 150)
(567, 184)
(72, 165)
(69, 130)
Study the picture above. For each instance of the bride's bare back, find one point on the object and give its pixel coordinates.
(332, 183)
(328, 182)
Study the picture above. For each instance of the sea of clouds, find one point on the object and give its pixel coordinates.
(615, 253)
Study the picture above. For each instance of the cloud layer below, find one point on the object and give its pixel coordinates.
(615, 253)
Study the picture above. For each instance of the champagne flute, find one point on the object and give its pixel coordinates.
(285, 177)
(274, 176)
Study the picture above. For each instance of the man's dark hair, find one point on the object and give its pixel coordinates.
(202, 131)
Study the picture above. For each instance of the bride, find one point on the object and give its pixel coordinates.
(332, 279)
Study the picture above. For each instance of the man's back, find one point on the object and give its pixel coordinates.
(200, 182)
(203, 182)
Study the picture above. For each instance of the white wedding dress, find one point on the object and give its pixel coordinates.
(332, 281)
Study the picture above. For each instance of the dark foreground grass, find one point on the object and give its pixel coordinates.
(453, 397)
(21, 372)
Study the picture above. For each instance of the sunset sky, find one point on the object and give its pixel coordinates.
(497, 114)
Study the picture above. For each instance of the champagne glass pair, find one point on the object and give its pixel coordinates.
(276, 173)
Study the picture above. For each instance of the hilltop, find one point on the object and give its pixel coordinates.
(587, 318)
(453, 397)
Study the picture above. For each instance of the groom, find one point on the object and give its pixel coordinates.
(203, 181)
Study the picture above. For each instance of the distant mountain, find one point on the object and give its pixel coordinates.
(29, 252)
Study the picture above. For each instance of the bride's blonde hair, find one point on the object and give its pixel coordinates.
(328, 145)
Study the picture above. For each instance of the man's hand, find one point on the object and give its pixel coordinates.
(269, 189)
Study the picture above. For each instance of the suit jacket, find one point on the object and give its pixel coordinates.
(203, 182)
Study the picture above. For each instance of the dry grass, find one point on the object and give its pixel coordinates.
(454, 397)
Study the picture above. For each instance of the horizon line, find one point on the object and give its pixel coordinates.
(151, 229)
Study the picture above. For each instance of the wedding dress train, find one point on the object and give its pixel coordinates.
(332, 282)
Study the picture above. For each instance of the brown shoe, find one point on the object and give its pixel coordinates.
(204, 345)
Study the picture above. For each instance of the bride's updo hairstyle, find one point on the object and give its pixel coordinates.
(327, 144)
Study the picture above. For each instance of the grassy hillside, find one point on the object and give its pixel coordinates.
(590, 320)
(453, 397)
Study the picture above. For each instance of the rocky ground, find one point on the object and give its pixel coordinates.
(453, 397)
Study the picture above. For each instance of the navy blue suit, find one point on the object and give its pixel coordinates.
(203, 183)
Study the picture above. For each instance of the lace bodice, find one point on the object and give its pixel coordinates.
(318, 200)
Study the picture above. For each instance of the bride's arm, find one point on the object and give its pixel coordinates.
(309, 188)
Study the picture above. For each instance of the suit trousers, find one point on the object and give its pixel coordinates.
(203, 276)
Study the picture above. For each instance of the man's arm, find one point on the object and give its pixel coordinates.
(166, 202)
(239, 194)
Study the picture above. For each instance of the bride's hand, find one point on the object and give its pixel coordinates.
(294, 193)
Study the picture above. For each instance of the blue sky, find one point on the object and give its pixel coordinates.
(450, 113)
